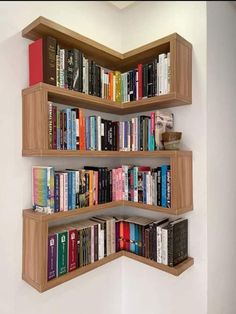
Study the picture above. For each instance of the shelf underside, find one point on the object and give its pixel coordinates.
(176, 271)
(97, 208)
(81, 100)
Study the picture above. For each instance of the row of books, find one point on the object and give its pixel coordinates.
(71, 69)
(56, 191)
(69, 129)
(79, 244)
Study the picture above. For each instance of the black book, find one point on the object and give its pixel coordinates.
(76, 70)
(66, 69)
(109, 135)
(134, 84)
(49, 60)
(177, 241)
(150, 80)
(81, 55)
(145, 80)
(90, 77)
(70, 68)
(154, 78)
(153, 235)
(94, 79)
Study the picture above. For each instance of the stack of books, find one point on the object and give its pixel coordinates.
(69, 129)
(55, 191)
(79, 244)
(71, 69)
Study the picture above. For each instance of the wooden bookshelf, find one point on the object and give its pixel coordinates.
(176, 271)
(35, 140)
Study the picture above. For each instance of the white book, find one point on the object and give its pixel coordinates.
(61, 191)
(102, 83)
(165, 76)
(133, 134)
(65, 184)
(62, 67)
(99, 142)
(168, 72)
(92, 244)
(125, 183)
(159, 241)
(164, 245)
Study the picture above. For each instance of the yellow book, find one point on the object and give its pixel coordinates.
(118, 86)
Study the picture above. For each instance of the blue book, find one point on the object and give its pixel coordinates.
(73, 189)
(57, 193)
(164, 185)
(132, 237)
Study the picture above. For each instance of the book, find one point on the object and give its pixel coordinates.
(43, 189)
(177, 241)
(52, 256)
(42, 61)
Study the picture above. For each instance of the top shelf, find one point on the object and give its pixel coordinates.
(103, 55)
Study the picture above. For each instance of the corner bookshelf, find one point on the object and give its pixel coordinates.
(35, 141)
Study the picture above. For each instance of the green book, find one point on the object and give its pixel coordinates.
(62, 252)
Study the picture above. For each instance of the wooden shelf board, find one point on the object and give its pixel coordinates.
(81, 100)
(70, 213)
(176, 271)
(110, 154)
(103, 55)
(97, 208)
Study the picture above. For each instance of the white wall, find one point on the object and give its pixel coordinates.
(144, 290)
(98, 291)
(221, 149)
(147, 290)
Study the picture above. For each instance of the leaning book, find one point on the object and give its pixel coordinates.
(43, 189)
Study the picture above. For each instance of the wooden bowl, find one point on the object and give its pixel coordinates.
(171, 136)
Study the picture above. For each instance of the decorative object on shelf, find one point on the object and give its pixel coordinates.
(171, 140)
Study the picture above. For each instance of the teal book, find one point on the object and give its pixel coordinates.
(62, 250)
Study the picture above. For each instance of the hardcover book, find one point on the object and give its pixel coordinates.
(42, 61)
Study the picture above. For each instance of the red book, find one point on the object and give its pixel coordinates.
(72, 248)
(42, 61)
(126, 236)
(140, 81)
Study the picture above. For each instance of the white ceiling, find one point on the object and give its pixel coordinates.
(121, 4)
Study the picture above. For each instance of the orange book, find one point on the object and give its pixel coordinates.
(121, 235)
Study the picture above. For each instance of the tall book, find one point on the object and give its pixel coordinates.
(42, 61)
(177, 241)
(52, 256)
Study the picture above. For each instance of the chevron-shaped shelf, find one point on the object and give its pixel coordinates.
(176, 271)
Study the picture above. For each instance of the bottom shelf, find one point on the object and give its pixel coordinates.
(176, 271)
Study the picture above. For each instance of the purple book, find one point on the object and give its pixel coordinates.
(52, 256)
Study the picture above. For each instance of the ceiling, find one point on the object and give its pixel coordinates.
(121, 4)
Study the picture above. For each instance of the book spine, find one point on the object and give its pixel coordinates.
(168, 187)
(164, 246)
(57, 193)
(62, 252)
(163, 185)
(52, 256)
(50, 138)
(72, 249)
(49, 60)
